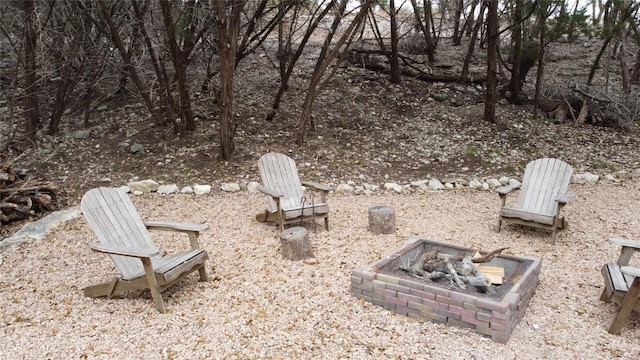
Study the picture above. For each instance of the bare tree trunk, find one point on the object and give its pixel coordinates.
(228, 30)
(624, 67)
(114, 33)
(395, 61)
(492, 61)
(425, 27)
(542, 20)
(31, 78)
(468, 24)
(613, 27)
(325, 60)
(457, 33)
(635, 73)
(59, 104)
(596, 63)
(516, 35)
(464, 74)
(166, 115)
(180, 68)
(288, 63)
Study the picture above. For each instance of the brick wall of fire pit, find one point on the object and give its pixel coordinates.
(493, 315)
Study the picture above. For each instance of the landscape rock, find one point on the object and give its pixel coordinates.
(36, 230)
(252, 186)
(82, 134)
(230, 187)
(504, 180)
(167, 189)
(435, 184)
(591, 178)
(143, 186)
(494, 183)
(419, 183)
(370, 187)
(186, 190)
(584, 178)
(395, 187)
(201, 189)
(474, 184)
(514, 183)
(344, 188)
(136, 148)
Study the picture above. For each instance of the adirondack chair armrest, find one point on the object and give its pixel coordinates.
(124, 251)
(174, 226)
(566, 198)
(269, 192)
(632, 271)
(625, 243)
(316, 186)
(504, 190)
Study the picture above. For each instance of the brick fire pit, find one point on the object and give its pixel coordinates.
(494, 315)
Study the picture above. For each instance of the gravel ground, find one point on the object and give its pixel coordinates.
(261, 306)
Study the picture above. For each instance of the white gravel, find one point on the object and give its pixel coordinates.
(259, 305)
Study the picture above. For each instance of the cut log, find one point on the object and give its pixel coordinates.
(584, 112)
(295, 243)
(493, 273)
(382, 219)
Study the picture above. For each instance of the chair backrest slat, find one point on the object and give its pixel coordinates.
(279, 173)
(544, 181)
(114, 219)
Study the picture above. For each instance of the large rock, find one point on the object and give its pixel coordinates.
(36, 231)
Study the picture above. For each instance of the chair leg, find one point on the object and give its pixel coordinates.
(553, 235)
(153, 284)
(104, 289)
(499, 223)
(203, 273)
(627, 304)
(326, 222)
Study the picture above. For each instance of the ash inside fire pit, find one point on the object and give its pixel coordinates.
(494, 311)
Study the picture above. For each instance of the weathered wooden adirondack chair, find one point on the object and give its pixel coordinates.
(543, 194)
(125, 237)
(288, 202)
(622, 284)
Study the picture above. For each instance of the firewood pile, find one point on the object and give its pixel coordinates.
(22, 196)
(457, 271)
